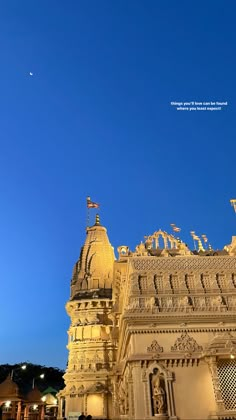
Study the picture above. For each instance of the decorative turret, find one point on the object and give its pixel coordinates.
(93, 270)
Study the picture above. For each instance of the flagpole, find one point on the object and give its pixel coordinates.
(90, 205)
(88, 218)
(88, 214)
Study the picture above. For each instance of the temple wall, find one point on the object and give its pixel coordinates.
(161, 340)
(193, 392)
(178, 326)
(74, 404)
(95, 405)
(139, 403)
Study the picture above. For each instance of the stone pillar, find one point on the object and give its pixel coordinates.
(13, 409)
(115, 400)
(41, 412)
(212, 364)
(85, 404)
(105, 404)
(18, 415)
(59, 414)
(165, 242)
(170, 396)
(130, 391)
(145, 380)
(61, 411)
(26, 411)
(138, 387)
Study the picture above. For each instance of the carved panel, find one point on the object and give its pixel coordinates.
(155, 347)
(186, 343)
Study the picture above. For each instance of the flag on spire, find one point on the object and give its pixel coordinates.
(175, 228)
(91, 204)
(205, 239)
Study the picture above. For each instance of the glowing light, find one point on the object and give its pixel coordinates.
(7, 403)
(43, 398)
(35, 407)
(23, 367)
(232, 356)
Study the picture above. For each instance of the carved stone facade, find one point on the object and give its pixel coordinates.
(152, 334)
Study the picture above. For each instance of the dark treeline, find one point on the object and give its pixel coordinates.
(53, 377)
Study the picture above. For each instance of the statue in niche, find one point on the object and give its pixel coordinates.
(158, 393)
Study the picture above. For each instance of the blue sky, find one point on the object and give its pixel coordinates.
(95, 119)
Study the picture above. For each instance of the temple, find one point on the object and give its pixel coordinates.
(153, 332)
(32, 405)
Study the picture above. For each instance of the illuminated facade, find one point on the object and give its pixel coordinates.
(153, 333)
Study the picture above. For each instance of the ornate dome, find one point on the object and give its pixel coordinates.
(35, 396)
(9, 389)
(93, 270)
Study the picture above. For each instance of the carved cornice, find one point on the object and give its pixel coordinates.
(180, 330)
(170, 318)
(190, 263)
(169, 359)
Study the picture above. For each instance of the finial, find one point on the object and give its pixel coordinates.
(97, 221)
(200, 247)
(233, 203)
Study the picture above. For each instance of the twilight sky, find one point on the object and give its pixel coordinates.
(95, 119)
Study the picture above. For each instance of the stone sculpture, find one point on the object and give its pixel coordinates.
(158, 393)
